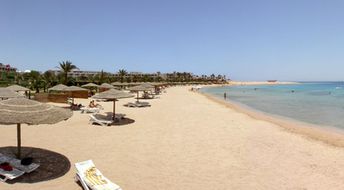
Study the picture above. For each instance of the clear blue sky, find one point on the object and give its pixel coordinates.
(244, 39)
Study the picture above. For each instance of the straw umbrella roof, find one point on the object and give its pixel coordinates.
(112, 94)
(118, 84)
(135, 83)
(160, 83)
(22, 110)
(7, 93)
(58, 87)
(122, 84)
(140, 88)
(90, 85)
(148, 85)
(106, 85)
(73, 88)
(17, 88)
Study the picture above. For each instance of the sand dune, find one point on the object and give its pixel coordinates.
(186, 141)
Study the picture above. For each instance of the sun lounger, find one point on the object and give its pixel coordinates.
(9, 175)
(89, 110)
(130, 104)
(91, 178)
(143, 103)
(137, 104)
(99, 121)
(148, 96)
(119, 116)
(17, 164)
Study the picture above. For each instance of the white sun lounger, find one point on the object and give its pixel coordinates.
(119, 116)
(99, 121)
(137, 104)
(89, 110)
(144, 104)
(9, 175)
(130, 104)
(17, 164)
(91, 178)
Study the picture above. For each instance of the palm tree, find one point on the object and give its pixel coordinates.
(122, 74)
(66, 67)
(135, 78)
(18, 78)
(35, 80)
(49, 78)
(103, 77)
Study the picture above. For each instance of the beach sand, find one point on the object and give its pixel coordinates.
(185, 141)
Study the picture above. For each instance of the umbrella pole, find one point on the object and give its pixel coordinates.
(137, 96)
(18, 141)
(114, 111)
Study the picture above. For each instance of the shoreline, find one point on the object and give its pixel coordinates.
(252, 83)
(325, 134)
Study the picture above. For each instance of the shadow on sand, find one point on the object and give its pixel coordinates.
(52, 164)
(118, 122)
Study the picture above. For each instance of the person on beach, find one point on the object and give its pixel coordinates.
(225, 95)
(92, 104)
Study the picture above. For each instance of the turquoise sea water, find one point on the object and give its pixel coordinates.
(320, 103)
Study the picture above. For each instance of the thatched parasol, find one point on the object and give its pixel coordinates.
(148, 85)
(117, 84)
(22, 110)
(139, 88)
(90, 85)
(113, 95)
(123, 84)
(58, 87)
(7, 93)
(106, 85)
(73, 89)
(17, 88)
(159, 84)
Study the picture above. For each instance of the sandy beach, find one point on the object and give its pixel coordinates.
(185, 141)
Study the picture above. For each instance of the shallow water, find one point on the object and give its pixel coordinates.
(320, 103)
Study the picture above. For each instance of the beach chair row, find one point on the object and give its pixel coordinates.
(87, 174)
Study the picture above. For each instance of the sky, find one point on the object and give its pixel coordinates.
(287, 40)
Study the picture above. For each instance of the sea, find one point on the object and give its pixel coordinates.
(318, 103)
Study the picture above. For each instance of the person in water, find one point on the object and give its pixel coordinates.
(225, 95)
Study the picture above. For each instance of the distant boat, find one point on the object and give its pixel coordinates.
(272, 80)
